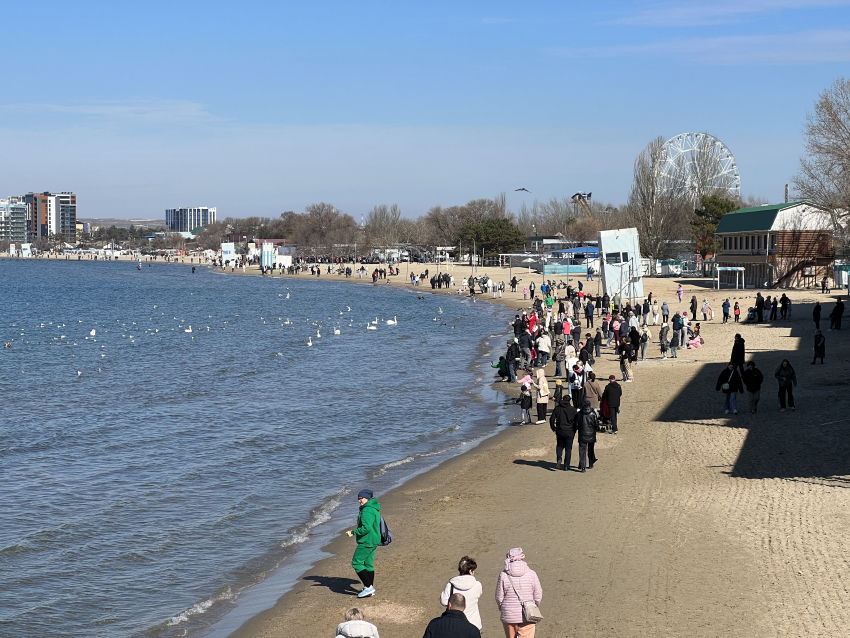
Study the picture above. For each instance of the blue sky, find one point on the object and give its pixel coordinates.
(258, 107)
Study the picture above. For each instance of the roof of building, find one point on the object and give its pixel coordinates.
(754, 218)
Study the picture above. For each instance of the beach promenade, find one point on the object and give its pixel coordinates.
(693, 523)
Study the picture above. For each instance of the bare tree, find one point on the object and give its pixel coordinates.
(824, 175)
(660, 210)
(383, 225)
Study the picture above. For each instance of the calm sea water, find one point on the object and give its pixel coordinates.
(150, 475)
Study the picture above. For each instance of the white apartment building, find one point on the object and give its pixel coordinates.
(13, 220)
(185, 220)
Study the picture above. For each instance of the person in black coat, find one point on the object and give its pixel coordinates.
(453, 622)
(753, 378)
(816, 315)
(759, 307)
(562, 423)
(513, 357)
(739, 354)
(586, 425)
(612, 395)
(729, 382)
(820, 347)
(836, 315)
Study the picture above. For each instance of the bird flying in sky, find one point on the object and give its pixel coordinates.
(522, 189)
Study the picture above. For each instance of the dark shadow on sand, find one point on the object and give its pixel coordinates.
(334, 583)
(783, 444)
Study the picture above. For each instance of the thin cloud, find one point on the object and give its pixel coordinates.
(808, 47)
(143, 111)
(694, 14)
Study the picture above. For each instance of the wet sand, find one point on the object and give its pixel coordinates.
(693, 523)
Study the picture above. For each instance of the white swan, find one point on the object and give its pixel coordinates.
(371, 327)
(309, 341)
(393, 321)
(376, 321)
(287, 295)
(440, 310)
(189, 329)
(318, 334)
(287, 322)
(336, 331)
(93, 333)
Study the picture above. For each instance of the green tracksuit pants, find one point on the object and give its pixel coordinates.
(364, 558)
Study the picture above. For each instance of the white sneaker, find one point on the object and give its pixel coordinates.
(367, 591)
(539, 422)
(725, 411)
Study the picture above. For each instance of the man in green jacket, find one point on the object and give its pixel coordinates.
(368, 535)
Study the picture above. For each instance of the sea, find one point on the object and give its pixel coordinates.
(174, 452)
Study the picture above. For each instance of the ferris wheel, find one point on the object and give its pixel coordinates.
(701, 164)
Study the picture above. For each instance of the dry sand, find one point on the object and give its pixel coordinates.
(692, 524)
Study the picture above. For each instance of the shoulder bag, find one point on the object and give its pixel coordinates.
(530, 611)
(725, 387)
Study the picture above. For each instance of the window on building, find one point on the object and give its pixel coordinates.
(612, 258)
(625, 257)
(724, 242)
(773, 242)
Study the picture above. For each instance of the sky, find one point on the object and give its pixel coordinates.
(257, 108)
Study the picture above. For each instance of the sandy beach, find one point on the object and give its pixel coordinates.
(692, 524)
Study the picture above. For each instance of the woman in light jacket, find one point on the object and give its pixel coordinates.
(517, 580)
(465, 583)
(355, 626)
(542, 388)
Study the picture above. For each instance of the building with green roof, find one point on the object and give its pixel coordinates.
(778, 245)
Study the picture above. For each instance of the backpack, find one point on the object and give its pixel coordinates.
(644, 338)
(386, 534)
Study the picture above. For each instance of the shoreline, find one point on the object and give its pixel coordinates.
(694, 522)
(664, 553)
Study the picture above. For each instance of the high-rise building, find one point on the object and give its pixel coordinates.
(13, 220)
(187, 219)
(52, 214)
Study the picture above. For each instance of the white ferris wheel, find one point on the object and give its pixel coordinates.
(702, 164)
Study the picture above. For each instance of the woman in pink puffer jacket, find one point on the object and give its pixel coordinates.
(517, 575)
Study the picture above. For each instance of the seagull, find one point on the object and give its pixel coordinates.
(93, 332)
(522, 189)
(393, 321)
(348, 308)
(79, 374)
(309, 341)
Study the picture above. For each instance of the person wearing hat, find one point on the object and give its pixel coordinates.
(586, 424)
(612, 394)
(562, 423)
(368, 535)
(517, 583)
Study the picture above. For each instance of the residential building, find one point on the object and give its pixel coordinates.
(781, 245)
(51, 214)
(187, 219)
(13, 220)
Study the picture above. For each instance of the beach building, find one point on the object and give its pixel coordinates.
(778, 246)
(13, 220)
(187, 219)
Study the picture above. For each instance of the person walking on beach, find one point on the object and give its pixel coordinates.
(820, 347)
(542, 387)
(836, 315)
(612, 395)
(787, 379)
(783, 302)
(706, 311)
(773, 306)
(753, 378)
(739, 354)
(562, 423)
(759, 307)
(453, 623)
(368, 535)
(694, 306)
(680, 292)
(645, 337)
(737, 312)
(674, 345)
(513, 357)
(816, 315)
(468, 586)
(726, 306)
(586, 425)
(355, 626)
(559, 355)
(662, 339)
(655, 312)
(729, 382)
(517, 583)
